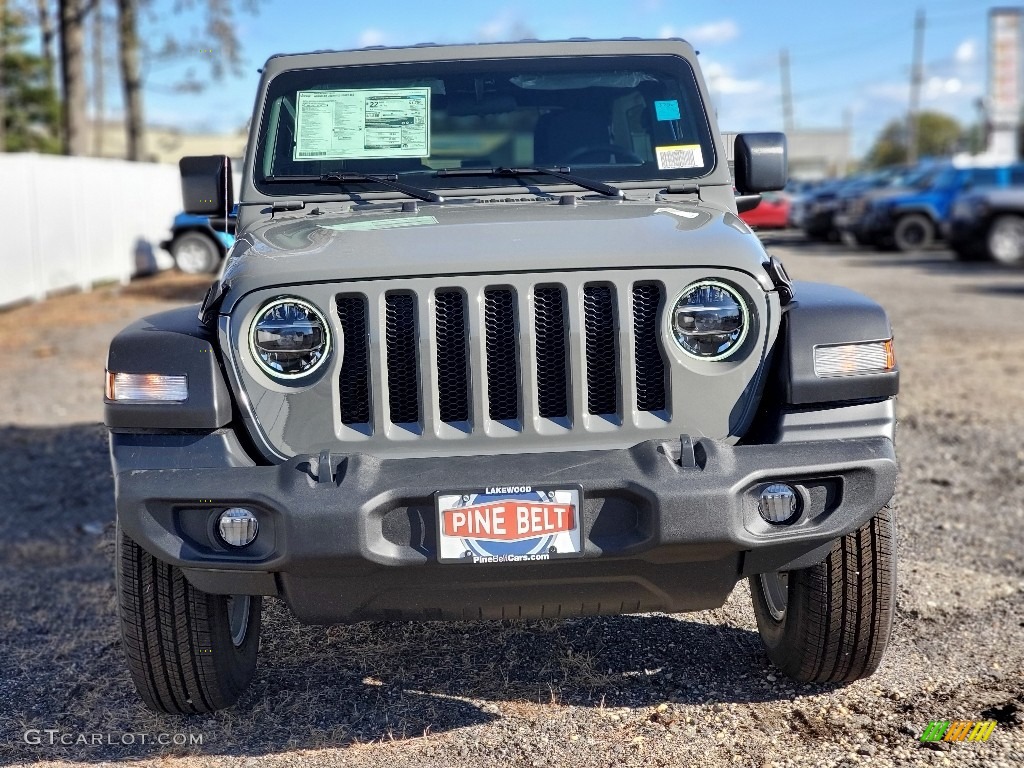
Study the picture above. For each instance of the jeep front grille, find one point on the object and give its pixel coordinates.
(550, 331)
(355, 374)
(650, 366)
(403, 376)
(452, 356)
(502, 355)
(602, 354)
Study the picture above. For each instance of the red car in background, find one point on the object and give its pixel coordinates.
(771, 213)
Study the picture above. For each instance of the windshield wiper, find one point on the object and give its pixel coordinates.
(385, 180)
(558, 173)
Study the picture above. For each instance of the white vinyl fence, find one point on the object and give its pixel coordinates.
(72, 222)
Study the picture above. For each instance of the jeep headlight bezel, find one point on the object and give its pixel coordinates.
(694, 332)
(313, 341)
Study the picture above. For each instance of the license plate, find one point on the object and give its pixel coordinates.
(508, 524)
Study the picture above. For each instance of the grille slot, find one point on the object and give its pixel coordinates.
(452, 355)
(650, 365)
(549, 328)
(501, 353)
(400, 336)
(354, 384)
(602, 353)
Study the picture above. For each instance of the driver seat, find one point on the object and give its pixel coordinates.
(557, 135)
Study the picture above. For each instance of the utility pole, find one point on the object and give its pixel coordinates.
(916, 78)
(787, 92)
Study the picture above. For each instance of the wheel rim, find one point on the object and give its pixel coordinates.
(238, 617)
(775, 588)
(1007, 241)
(192, 256)
(913, 234)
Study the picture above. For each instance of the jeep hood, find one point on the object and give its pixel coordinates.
(484, 238)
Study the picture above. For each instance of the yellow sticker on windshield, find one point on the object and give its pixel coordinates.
(679, 156)
(362, 124)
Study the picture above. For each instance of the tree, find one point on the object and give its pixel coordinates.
(72, 67)
(47, 33)
(220, 49)
(131, 77)
(938, 135)
(30, 111)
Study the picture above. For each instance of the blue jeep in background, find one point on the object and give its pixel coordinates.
(916, 219)
(198, 244)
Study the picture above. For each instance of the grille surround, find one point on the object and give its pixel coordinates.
(287, 421)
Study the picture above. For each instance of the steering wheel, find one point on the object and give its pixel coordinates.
(578, 154)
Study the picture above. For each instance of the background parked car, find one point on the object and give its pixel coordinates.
(915, 220)
(197, 245)
(852, 214)
(771, 213)
(989, 224)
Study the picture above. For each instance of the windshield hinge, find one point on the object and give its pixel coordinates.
(682, 189)
(281, 206)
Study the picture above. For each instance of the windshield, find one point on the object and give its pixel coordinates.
(609, 118)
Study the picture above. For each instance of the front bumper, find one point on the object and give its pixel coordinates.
(346, 538)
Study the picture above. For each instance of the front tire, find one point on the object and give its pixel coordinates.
(188, 652)
(832, 622)
(914, 232)
(1006, 241)
(195, 253)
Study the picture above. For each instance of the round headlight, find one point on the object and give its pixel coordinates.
(290, 338)
(709, 320)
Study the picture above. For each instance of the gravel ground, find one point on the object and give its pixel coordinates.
(656, 690)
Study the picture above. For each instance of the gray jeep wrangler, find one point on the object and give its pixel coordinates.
(493, 343)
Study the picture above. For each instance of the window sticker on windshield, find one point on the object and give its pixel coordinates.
(365, 226)
(679, 156)
(667, 110)
(365, 123)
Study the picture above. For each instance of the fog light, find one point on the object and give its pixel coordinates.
(237, 527)
(778, 504)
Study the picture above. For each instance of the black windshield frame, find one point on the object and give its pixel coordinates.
(674, 71)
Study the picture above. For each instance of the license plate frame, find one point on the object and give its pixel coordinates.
(485, 534)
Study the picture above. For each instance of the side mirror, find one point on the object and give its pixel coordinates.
(207, 187)
(761, 164)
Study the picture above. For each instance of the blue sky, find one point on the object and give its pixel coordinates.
(849, 60)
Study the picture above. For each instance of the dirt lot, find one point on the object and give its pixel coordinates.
(651, 691)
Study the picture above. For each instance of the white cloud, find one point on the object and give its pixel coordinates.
(371, 36)
(721, 80)
(966, 52)
(712, 33)
(936, 87)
